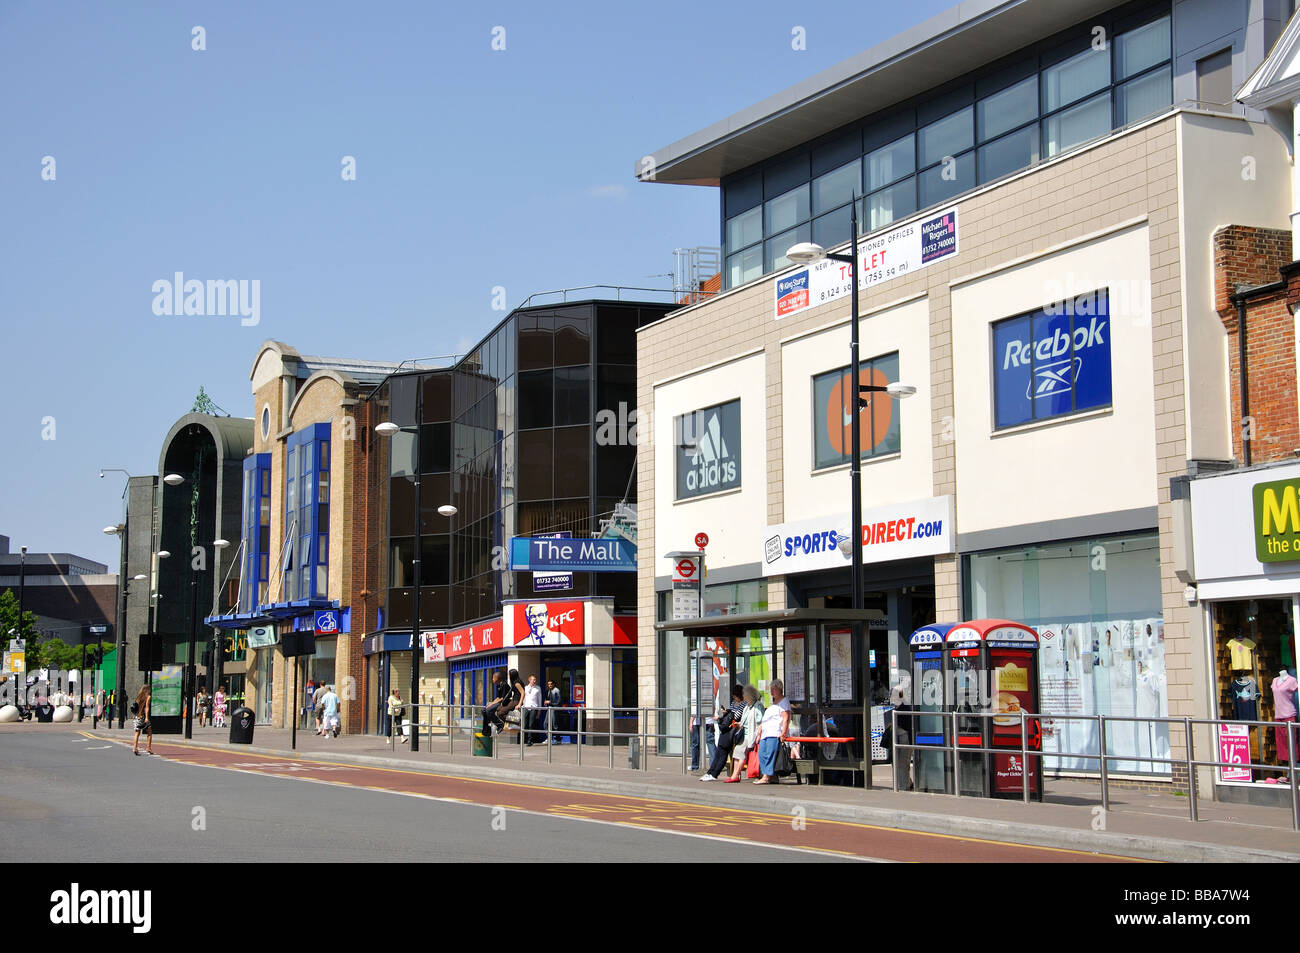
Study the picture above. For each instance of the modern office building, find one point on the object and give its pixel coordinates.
(530, 434)
(67, 593)
(1039, 188)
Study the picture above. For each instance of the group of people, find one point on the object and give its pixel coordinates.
(211, 708)
(510, 693)
(747, 727)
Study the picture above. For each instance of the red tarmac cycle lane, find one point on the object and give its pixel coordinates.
(835, 837)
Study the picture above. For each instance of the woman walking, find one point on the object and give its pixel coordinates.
(395, 709)
(772, 731)
(141, 710)
(750, 720)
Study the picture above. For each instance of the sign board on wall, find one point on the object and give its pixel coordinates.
(920, 528)
(1244, 533)
(707, 450)
(543, 554)
(483, 637)
(553, 581)
(1277, 521)
(433, 645)
(898, 252)
(549, 623)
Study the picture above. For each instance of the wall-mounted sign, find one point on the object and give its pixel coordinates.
(1277, 521)
(432, 644)
(538, 554)
(260, 636)
(549, 623)
(553, 581)
(898, 252)
(327, 622)
(920, 528)
(707, 450)
(483, 637)
(1053, 361)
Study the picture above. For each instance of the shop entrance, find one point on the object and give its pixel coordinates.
(568, 670)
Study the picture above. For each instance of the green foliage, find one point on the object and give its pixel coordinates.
(9, 619)
(43, 650)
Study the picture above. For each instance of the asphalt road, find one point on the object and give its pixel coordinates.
(63, 796)
(63, 791)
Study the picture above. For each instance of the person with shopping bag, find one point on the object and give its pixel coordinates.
(747, 736)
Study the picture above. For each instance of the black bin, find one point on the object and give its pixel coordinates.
(241, 726)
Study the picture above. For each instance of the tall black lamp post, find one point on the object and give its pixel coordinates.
(808, 253)
(387, 429)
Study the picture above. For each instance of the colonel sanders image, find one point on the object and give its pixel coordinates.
(538, 633)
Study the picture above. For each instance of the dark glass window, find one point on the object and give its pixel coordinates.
(436, 567)
(401, 390)
(572, 339)
(435, 448)
(437, 398)
(535, 464)
(536, 341)
(573, 461)
(616, 335)
(536, 399)
(572, 396)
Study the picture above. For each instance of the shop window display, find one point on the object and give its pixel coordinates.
(1255, 675)
(1095, 605)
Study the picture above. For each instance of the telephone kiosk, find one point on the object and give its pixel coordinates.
(978, 668)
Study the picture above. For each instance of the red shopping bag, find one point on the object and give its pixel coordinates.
(751, 764)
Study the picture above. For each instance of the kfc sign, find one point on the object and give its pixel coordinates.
(483, 637)
(549, 623)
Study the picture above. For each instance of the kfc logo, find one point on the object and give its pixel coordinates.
(549, 623)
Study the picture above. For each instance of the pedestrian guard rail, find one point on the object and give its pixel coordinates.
(572, 722)
(1103, 757)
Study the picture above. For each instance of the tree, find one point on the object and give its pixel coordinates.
(9, 620)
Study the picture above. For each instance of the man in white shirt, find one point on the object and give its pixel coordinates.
(532, 708)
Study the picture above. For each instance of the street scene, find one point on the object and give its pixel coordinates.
(583, 436)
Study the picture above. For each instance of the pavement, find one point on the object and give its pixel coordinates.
(1143, 825)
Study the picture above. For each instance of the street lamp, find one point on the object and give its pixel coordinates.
(214, 670)
(388, 429)
(807, 253)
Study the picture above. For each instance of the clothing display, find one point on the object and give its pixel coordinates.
(1245, 698)
(1284, 687)
(1242, 654)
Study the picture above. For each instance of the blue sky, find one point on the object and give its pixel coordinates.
(475, 168)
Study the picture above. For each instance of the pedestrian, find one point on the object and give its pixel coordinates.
(750, 720)
(329, 705)
(532, 709)
(395, 709)
(709, 724)
(731, 732)
(773, 729)
(551, 700)
(308, 705)
(201, 705)
(142, 709)
(219, 708)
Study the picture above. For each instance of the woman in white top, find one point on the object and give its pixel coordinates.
(772, 731)
(749, 725)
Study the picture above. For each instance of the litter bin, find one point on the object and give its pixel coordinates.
(482, 745)
(241, 726)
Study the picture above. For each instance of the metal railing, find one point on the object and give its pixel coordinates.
(459, 719)
(950, 729)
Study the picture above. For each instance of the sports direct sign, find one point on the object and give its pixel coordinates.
(919, 528)
(894, 254)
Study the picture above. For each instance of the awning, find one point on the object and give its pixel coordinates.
(773, 619)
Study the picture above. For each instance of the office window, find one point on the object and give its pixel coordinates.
(1008, 109)
(745, 266)
(788, 210)
(837, 188)
(256, 535)
(890, 163)
(833, 228)
(1141, 49)
(1143, 97)
(1075, 78)
(774, 249)
(939, 183)
(1088, 120)
(745, 229)
(1052, 361)
(307, 512)
(1014, 151)
(947, 137)
(888, 204)
(832, 423)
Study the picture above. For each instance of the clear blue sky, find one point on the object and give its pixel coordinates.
(475, 168)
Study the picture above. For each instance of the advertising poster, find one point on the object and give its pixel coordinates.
(840, 645)
(167, 691)
(794, 668)
(549, 623)
(1234, 748)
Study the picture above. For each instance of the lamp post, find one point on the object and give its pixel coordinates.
(214, 669)
(806, 253)
(387, 429)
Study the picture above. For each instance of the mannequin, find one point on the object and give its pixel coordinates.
(1284, 710)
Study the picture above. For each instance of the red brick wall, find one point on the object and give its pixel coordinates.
(1255, 256)
(363, 580)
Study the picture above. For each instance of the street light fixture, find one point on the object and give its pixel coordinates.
(173, 479)
(807, 253)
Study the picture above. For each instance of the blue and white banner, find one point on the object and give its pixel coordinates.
(537, 554)
(901, 531)
(1052, 362)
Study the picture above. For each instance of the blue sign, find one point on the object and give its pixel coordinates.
(327, 622)
(572, 555)
(1052, 362)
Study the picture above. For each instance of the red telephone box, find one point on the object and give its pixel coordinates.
(993, 670)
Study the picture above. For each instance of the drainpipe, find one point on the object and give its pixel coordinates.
(1239, 299)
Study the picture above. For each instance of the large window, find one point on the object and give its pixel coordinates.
(1051, 98)
(832, 424)
(1096, 606)
(1053, 361)
(256, 525)
(708, 450)
(306, 514)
